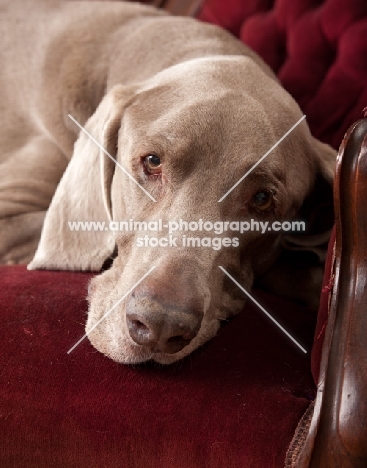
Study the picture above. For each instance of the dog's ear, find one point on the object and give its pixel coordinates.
(297, 272)
(325, 157)
(317, 210)
(83, 194)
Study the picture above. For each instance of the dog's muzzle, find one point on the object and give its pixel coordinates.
(160, 326)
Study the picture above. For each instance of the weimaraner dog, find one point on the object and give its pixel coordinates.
(183, 110)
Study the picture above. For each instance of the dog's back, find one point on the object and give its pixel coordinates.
(72, 52)
(61, 58)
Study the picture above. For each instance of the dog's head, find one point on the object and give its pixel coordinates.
(182, 138)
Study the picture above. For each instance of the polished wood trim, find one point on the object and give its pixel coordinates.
(338, 432)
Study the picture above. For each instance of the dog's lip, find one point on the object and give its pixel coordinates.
(157, 352)
(152, 355)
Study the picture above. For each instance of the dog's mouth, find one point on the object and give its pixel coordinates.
(162, 318)
(118, 345)
(165, 358)
(127, 352)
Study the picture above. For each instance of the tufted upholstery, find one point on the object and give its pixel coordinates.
(317, 48)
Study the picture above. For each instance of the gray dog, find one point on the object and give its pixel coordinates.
(183, 110)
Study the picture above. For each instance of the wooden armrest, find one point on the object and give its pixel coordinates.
(338, 431)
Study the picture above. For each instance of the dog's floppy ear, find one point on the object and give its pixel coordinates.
(317, 211)
(326, 160)
(297, 273)
(83, 195)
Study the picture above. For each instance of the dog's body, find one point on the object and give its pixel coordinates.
(142, 83)
(61, 58)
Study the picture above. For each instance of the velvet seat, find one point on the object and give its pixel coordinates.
(235, 402)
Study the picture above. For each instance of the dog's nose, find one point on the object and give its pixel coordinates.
(160, 329)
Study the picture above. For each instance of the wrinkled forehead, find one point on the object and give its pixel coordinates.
(217, 103)
(213, 86)
(239, 74)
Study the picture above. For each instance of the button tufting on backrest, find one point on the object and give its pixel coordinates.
(318, 48)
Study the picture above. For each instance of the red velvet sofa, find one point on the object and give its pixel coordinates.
(247, 398)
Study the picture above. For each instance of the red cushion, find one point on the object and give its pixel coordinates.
(236, 402)
(318, 49)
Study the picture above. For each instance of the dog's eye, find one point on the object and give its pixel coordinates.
(153, 164)
(263, 201)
